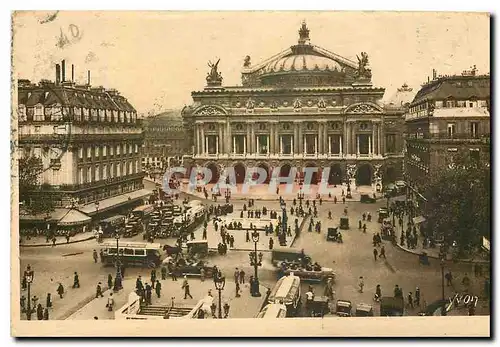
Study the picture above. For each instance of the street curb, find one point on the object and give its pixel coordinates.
(453, 260)
(60, 243)
(79, 306)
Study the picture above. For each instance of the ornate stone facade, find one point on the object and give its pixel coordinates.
(304, 107)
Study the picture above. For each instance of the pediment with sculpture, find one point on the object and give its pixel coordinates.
(210, 110)
(363, 108)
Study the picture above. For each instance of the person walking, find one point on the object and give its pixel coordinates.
(417, 297)
(237, 290)
(94, 254)
(309, 299)
(48, 301)
(173, 273)
(163, 273)
(361, 284)
(76, 281)
(375, 254)
(448, 276)
(153, 278)
(46, 314)
(378, 293)
(98, 291)
(110, 281)
(148, 291)
(158, 288)
(242, 276)
(410, 300)
(111, 302)
(382, 252)
(236, 275)
(204, 235)
(138, 284)
(60, 290)
(364, 228)
(39, 312)
(271, 243)
(185, 286)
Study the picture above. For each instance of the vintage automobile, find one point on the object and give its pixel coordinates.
(334, 235)
(367, 199)
(279, 255)
(383, 213)
(190, 267)
(364, 310)
(132, 229)
(319, 306)
(197, 248)
(310, 274)
(391, 306)
(344, 223)
(344, 308)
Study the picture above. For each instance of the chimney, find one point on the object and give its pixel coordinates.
(88, 77)
(434, 74)
(63, 68)
(428, 79)
(72, 72)
(58, 73)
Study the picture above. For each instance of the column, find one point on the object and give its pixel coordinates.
(253, 149)
(304, 140)
(347, 141)
(267, 145)
(206, 145)
(291, 144)
(247, 143)
(379, 139)
(257, 150)
(281, 144)
(234, 145)
(369, 144)
(271, 138)
(300, 140)
(217, 146)
(329, 145)
(295, 137)
(340, 144)
(219, 139)
(203, 151)
(276, 137)
(319, 137)
(357, 144)
(197, 130)
(316, 145)
(228, 138)
(373, 137)
(382, 138)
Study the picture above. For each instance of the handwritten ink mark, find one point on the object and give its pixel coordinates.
(49, 18)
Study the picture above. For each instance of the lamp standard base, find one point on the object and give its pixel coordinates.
(258, 294)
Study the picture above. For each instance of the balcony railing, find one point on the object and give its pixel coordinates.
(446, 136)
(90, 185)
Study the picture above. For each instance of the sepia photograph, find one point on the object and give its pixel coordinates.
(191, 173)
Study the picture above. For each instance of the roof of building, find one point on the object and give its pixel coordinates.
(401, 97)
(303, 64)
(167, 118)
(461, 87)
(49, 94)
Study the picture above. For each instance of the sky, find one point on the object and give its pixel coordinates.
(156, 59)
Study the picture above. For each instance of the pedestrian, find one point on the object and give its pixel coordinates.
(185, 286)
(22, 301)
(361, 284)
(202, 274)
(173, 273)
(247, 236)
(448, 278)
(309, 298)
(94, 253)
(382, 252)
(148, 290)
(236, 275)
(46, 314)
(153, 278)
(111, 302)
(163, 272)
(158, 288)
(242, 276)
(60, 290)
(39, 312)
(329, 214)
(48, 301)
(375, 254)
(204, 236)
(237, 290)
(417, 297)
(364, 216)
(110, 281)
(378, 293)
(360, 225)
(397, 292)
(53, 241)
(410, 300)
(343, 199)
(271, 243)
(98, 291)
(101, 255)
(76, 281)
(364, 228)
(138, 284)
(34, 302)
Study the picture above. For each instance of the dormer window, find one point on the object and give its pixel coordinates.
(22, 113)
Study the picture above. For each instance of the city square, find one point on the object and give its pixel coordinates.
(305, 190)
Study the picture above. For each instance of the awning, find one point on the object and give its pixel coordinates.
(418, 219)
(58, 213)
(115, 201)
(73, 217)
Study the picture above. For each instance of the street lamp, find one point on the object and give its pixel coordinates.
(29, 280)
(443, 308)
(118, 278)
(283, 222)
(220, 282)
(255, 261)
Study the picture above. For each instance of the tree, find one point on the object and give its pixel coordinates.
(30, 169)
(458, 205)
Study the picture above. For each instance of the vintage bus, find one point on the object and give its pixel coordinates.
(132, 253)
(143, 212)
(287, 292)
